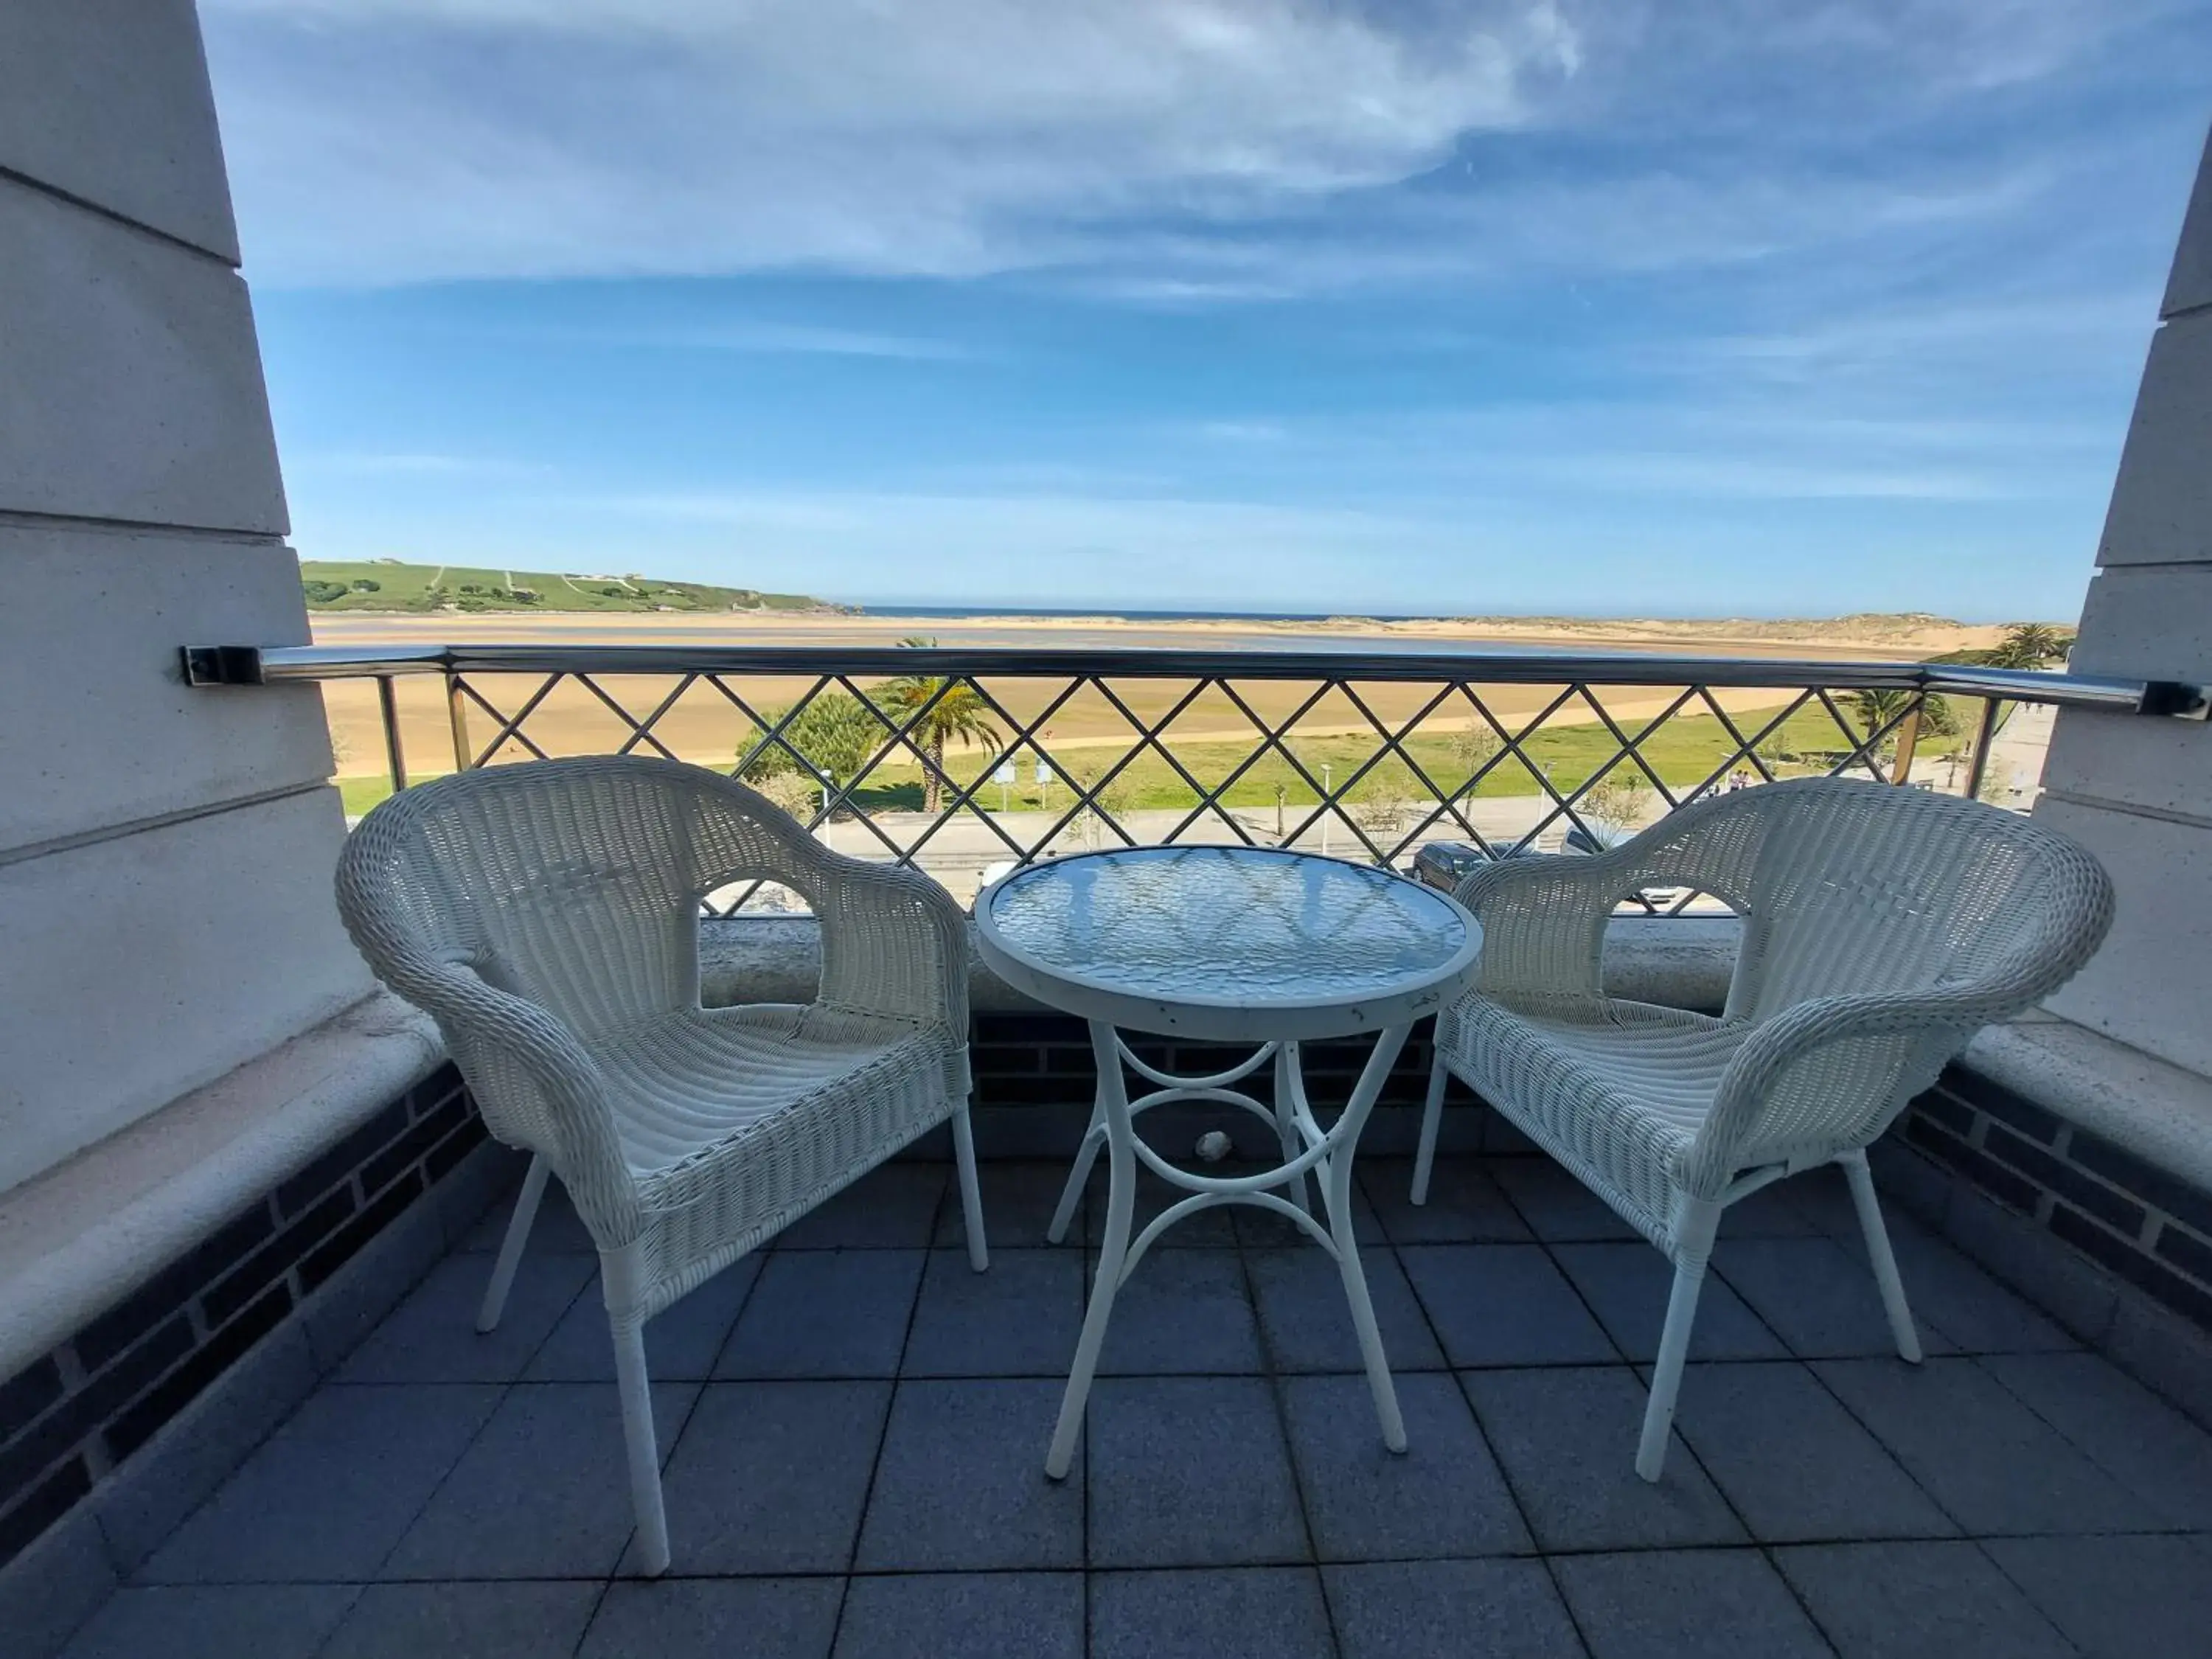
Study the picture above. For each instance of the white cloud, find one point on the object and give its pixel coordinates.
(382, 141)
(429, 138)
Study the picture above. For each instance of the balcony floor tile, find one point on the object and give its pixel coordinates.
(1442, 1496)
(1036, 1615)
(1189, 1472)
(2117, 1598)
(1276, 1611)
(1994, 1465)
(1793, 1463)
(1307, 1322)
(1920, 1600)
(270, 1621)
(1500, 1609)
(772, 1476)
(1505, 1304)
(760, 1618)
(484, 1621)
(1660, 1604)
(1567, 1440)
(327, 1496)
(960, 1484)
(542, 1492)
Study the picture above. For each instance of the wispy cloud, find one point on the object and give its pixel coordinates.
(382, 141)
(770, 339)
(369, 142)
(414, 464)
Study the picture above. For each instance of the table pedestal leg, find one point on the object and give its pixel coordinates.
(1336, 1190)
(1288, 1087)
(1306, 1147)
(1113, 1110)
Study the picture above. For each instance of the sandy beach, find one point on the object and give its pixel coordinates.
(704, 725)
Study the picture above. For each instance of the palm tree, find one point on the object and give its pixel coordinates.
(956, 715)
(2029, 645)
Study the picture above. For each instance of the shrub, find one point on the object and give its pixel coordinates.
(835, 732)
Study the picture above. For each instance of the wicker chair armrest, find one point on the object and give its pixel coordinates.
(539, 1086)
(1543, 923)
(893, 943)
(1827, 1075)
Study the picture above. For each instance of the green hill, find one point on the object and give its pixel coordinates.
(389, 585)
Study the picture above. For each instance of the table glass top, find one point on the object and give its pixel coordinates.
(1227, 924)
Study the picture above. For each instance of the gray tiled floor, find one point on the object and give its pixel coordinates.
(853, 1426)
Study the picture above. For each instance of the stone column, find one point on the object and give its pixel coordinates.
(165, 854)
(2139, 792)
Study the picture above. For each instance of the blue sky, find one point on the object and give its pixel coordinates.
(1674, 306)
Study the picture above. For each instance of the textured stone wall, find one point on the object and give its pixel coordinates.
(165, 854)
(2138, 792)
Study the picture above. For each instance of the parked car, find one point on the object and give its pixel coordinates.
(1444, 864)
(1588, 838)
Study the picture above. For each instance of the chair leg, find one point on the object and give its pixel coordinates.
(1878, 1253)
(1667, 1377)
(1432, 1111)
(1693, 1246)
(638, 1440)
(971, 1196)
(510, 1248)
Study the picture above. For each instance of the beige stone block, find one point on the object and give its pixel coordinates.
(141, 967)
(2161, 510)
(100, 729)
(2147, 622)
(108, 101)
(130, 376)
(2189, 285)
(2144, 988)
(2151, 764)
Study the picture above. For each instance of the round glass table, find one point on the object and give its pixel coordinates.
(1232, 945)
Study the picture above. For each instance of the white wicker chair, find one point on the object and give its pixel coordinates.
(1882, 927)
(547, 916)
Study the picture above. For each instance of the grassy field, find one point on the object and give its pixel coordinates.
(388, 585)
(1685, 753)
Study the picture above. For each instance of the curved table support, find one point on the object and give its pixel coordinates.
(1326, 1153)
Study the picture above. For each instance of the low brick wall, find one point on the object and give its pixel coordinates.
(77, 1412)
(2146, 1226)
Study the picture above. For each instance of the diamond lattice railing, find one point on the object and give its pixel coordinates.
(967, 767)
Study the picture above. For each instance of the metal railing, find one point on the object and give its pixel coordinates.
(916, 754)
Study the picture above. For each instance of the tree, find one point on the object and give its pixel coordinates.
(2029, 645)
(1471, 750)
(1619, 800)
(1877, 709)
(1110, 797)
(1383, 801)
(835, 733)
(958, 715)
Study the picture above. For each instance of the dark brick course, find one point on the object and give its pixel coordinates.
(2101, 1200)
(76, 1412)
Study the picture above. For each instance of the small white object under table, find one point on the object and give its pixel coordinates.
(1226, 945)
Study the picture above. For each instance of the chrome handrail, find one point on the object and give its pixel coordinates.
(213, 666)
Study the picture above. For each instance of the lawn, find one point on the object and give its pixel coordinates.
(1685, 752)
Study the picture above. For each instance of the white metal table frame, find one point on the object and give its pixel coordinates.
(1277, 1027)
